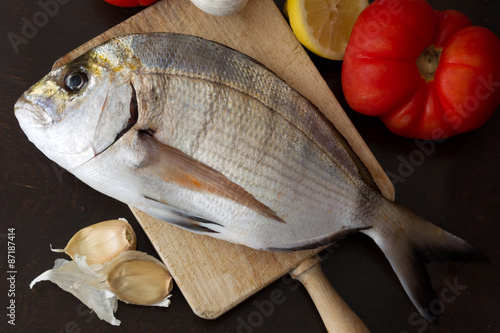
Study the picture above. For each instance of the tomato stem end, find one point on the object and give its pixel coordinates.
(428, 62)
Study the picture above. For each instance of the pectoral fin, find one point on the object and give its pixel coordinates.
(173, 166)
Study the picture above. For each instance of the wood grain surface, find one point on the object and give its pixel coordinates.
(455, 185)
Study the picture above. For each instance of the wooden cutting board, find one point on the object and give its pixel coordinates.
(214, 275)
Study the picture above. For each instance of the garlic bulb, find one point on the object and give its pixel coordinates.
(220, 7)
(133, 276)
(102, 241)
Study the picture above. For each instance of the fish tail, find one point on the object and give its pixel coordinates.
(409, 241)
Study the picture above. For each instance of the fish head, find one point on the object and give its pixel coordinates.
(80, 109)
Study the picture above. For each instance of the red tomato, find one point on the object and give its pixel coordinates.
(131, 3)
(427, 74)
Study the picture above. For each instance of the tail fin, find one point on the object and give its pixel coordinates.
(409, 242)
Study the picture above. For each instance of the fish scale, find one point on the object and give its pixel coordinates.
(240, 157)
(203, 137)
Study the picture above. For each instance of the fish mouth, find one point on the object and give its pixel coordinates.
(24, 108)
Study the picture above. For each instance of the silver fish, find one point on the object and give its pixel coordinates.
(202, 136)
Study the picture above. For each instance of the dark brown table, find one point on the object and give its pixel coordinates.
(455, 186)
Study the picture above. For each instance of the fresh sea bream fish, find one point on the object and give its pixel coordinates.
(202, 136)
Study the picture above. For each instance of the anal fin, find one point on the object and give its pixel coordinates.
(323, 241)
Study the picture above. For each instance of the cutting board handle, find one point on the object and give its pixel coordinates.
(336, 314)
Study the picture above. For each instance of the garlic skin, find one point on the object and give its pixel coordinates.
(220, 7)
(77, 278)
(101, 242)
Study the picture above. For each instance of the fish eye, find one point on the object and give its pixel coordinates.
(75, 80)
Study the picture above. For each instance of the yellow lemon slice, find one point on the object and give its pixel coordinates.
(324, 26)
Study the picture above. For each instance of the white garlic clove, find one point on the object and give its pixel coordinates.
(138, 278)
(140, 282)
(220, 7)
(101, 242)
